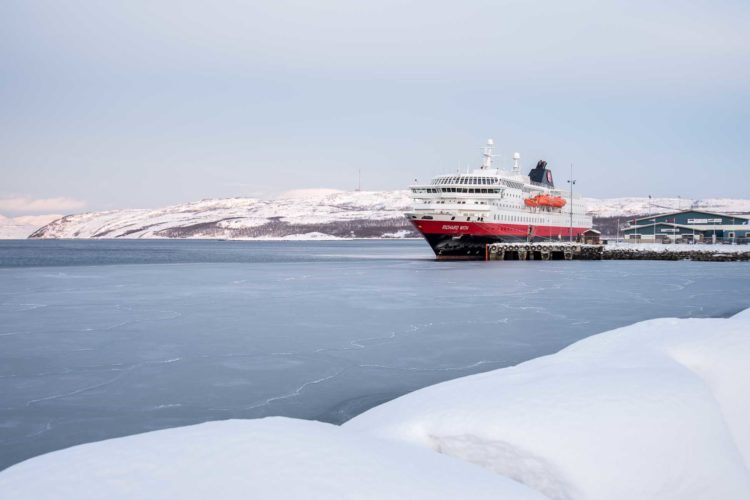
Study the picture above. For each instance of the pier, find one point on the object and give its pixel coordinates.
(579, 251)
(543, 251)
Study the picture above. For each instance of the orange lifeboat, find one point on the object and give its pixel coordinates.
(545, 200)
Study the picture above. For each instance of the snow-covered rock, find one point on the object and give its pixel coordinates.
(273, 458)
(657, 410)
(677, 247)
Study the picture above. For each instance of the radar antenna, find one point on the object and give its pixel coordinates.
(516, 165)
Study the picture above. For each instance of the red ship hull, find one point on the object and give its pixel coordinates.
(467, 240)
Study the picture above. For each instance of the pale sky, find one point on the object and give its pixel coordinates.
(145, 103)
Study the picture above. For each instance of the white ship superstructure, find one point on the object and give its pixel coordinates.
(458, 214)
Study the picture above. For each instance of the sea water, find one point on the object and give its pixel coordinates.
(100, 339)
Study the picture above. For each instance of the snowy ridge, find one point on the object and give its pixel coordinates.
(618, 207)
(316, 212)
(12, 228)
(658, 410)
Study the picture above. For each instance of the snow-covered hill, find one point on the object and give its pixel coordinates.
(298, 213)
(12, 228)
(313, 214)
(614, 207)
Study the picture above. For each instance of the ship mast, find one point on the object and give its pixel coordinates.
(489, 151)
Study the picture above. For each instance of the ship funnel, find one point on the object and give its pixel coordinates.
(542, 175)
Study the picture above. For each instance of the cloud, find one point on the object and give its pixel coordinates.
(32, 220)
(26, 204)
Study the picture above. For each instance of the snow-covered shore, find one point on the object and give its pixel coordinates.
(677, 247)
(655, 410)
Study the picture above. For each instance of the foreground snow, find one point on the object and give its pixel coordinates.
(273, 458)
(656, 410)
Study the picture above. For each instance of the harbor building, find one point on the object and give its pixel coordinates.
(688, 226)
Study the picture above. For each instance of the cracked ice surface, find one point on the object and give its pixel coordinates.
(198, 331)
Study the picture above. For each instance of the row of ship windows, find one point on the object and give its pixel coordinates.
(457, 190)
(458, 202)
(463, 202)
(511, 218)
(521, 218)
(478, 180)
(465, 180)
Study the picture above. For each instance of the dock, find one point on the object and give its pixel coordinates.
(543, 251)
(581, 251)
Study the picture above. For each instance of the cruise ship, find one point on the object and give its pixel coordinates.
(459, 214)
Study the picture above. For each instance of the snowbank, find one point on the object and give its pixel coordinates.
(274, 458)
(656, 410)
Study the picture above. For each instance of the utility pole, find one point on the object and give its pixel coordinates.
(617, 238)
(649, 214)
(572, 182)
